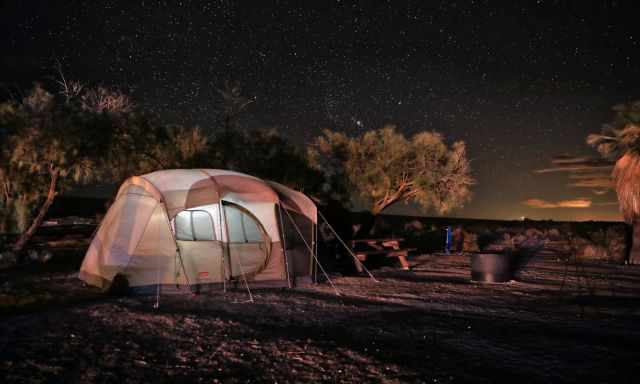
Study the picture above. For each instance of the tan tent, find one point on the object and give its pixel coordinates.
(197, 227)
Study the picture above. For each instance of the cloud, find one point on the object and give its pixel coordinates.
(566, 159)
(544, 204)
(607, 203)
(577, 164)
(599, 181)
(582, 176)
(576, 168)
(584, 172)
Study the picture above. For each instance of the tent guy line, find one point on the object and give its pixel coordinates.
(347, 247)
(337, 291)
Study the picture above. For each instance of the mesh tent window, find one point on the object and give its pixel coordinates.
(194, 225)
(242, 227)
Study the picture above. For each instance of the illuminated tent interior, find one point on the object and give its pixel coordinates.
(194, 228)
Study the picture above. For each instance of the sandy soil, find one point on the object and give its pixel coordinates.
(554, 324)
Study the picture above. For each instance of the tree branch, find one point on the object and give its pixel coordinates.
(37, 221)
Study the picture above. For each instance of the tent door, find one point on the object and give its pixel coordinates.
(248, 244)
(201, 252)
(202, 261)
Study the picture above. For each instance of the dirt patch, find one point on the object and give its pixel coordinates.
(555, 323)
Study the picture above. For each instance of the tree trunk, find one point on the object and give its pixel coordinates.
(378, 207)
(634, 255)
(402, 193)
(37, 221)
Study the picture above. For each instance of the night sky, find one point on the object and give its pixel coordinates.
(520, 82)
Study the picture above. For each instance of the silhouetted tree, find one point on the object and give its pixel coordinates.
(142, 144)
(384, 167)
(267, 154)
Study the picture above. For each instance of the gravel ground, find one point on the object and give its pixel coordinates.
(554, 323)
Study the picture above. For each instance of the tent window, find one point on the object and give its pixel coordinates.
(194, 226)
(251, 231)
(183, 226)
(202, 225)
(242, 227)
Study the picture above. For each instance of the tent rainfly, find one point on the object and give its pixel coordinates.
(187, 228)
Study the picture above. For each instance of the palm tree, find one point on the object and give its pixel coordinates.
(619, 141)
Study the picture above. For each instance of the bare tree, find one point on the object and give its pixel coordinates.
(68, 89)
(101, 99)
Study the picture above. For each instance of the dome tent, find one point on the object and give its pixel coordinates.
(195, 227)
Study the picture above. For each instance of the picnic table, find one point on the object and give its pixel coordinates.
(389, 247)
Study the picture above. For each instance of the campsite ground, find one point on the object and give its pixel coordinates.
(427, 325)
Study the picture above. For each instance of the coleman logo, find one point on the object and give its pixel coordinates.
(203, 275)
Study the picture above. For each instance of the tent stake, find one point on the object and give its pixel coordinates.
(157, 304)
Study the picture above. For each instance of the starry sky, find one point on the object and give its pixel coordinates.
(521, 82)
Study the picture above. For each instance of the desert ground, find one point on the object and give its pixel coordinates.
(556, 322)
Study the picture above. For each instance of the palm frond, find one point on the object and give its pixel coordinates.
(626, 176)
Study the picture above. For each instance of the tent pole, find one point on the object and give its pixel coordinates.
(175, 241)
(314, 234)
(224, 266)
(226, 230)
(224, 262)
(226, 226)
(284, 247)
(347, 248)
(311, 250)
(184, 270)
(157, 304)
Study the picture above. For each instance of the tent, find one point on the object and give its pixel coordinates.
(187, 228)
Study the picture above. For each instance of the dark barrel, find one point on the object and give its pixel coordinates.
(491, 267)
